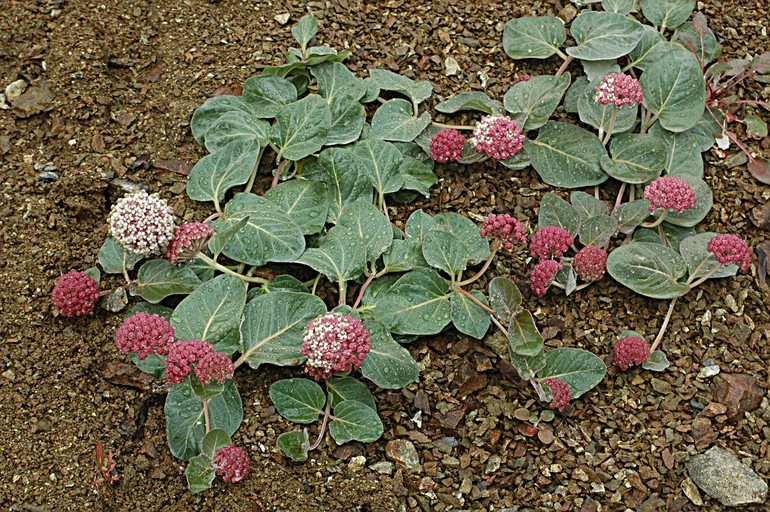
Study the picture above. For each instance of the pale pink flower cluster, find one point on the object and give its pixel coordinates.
(142, 223)
(334, 343)
(730, 249)
(497, 137)
(670, 192)
(618, 89)
(189, 239)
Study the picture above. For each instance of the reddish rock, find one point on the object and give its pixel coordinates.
(703, 434)
(739, 392)
(468, 379)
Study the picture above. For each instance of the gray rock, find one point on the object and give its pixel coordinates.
(34, 100)
(116, 301)
(383, 468)
(722, 476)
(403, 452)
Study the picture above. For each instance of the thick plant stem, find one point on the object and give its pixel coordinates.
(363, 290)
(662, 331)
(206, 416)
(217, 266)
(278, 173)
(474, 300)
(611, 126)
(708, 275)
(567, 60)
(619, 199)
(343, 286)
(323, 424)
(656, 222)
(477, 275)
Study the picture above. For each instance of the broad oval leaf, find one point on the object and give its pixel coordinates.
(341, 256)
(237, 125)
(348, 388)
(619, 6)
(340, 170)
(667, 13)
(114, 258)
(403, 255)
(218, 172)
(380, 161)
(524, 338)
(368, 224)
(347, 120)
(674, 90)
(656, 362)
(476, 247)
(157, 279)
(650, 269)
(272, 326)
(603, 35)
(444, 251)
(305, 30)
(185, 423)
(418, 175)
(555, 211)
(388, 364)
(683, 155)
(335, 80)
(504, 298)
(651, 47)
(301, 127)
(580, 369)
(215, 439)
(298, 400)
(636, 158)
(703, 202)
(200, 473)
(394, 121)
(467, 316)
(269, 235)
(214, 108)
(587, 205)
(305, 201)
(565, 155)
(212, 313)
(226, 230)
(389, 81)
(419, 224)
(672, 235)
(600, 116)
(294, 444)
(708, 47)
(700, 261)
(531, 37)
(537, 97)
(598, 230)
(416, 304)
(267, 95)
(596, 70)
(631, 214)
(474, 100)
(354, 421)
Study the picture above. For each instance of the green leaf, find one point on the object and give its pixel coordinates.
(416, 304)
(214, 108)
(151, 309)
(272, 326)
(656, 362)
(225, 231)
(114, 258)
(347, 120)
(205, 392)
(667, 13)
(394, 121)
(267, 95)
(185, 424)
(555, 211)
(474, 100)
(467, 316)
(619, 6)
(335, 80)
(380, 160)
(354, 421)
(707, 49)
(603, 35)
(537, 97)
(218, 172)
(631, 214)
(298, 69)
(703, 202)
(369, 225)
(650, 269)
(294, 444)
(682, 151)
(151, 365)
(403, 255)
(598, 230)
(419, 224)
(476, 247)
(157, 279)
(572, 95)
(305, 201)
(418, 175)
(504, 298)
(269, 235)
(596, 70)
(237, 126)
(700, 261)
(755, 127)
(674, 90)
(305, 30)
(565, 155)
(444, 251)
(527, 367)
(636, 158)
(388, 364)
(651, 47)
(389, 81)
(301, 127)
(673, 235)
(533, 37)
(200, 473)
(341, 256)
(524, 338)
(600, 116)
(340, 170)
(212, 313)
(283, 282)
(298, 400)
(587, 205)
(348, 388)
(580, 369)
(215, 439)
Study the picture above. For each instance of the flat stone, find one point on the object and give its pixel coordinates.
(738, 391)
(35, 99)
(468, 380)
(403, 452)
(722, 476)
(383, 468)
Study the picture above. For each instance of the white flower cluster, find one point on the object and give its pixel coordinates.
(142, 223)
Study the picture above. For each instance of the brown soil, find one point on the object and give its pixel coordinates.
(126, 77)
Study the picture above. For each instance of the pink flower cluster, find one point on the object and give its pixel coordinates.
(562, 395)
(333, 343)
(630, 350)
(75, 294)
(232, 463)
(498, 137)
(504, 228)
(189, 239)
(142, 223)
(590, 263)
(144, 334)
(542, 275)
(618, 89)
(670, 192)
(200, 357)
(550, 242)
(446, 145)
(730, 249)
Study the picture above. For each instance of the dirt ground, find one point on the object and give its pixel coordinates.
(124, 79)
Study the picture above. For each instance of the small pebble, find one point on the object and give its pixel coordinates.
(48, 176)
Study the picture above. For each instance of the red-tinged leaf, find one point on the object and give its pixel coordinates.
(760, 169)
(182, 167)
(761, 63)
(699, 24)
(762, 250)
(546, 436)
